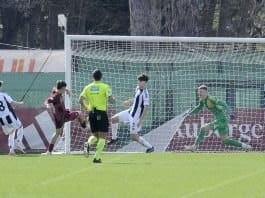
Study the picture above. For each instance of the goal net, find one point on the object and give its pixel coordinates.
(232, 68)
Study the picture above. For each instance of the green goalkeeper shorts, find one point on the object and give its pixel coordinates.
(220, 125)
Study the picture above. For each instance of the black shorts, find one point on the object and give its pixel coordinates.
(99, 121)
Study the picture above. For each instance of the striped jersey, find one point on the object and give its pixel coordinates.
(5, 105)
(141, 99)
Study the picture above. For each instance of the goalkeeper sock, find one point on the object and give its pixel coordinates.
(144, 142)
(200, 137)
(99, 148)
(233, 142)
(92, 140)
(114, 131)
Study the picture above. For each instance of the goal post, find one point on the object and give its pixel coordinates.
(232, 68)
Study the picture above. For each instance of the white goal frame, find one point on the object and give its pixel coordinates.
(68, 52)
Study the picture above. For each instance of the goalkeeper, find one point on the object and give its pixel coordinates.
(219, 108)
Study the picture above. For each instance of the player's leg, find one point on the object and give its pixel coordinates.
(94, 137)
(58, 132)
(72, 115)
(20, 134)
(114, 128)
(10, 125)
(18, 140)
(16, 124)
(223, 130)
(204, 129)
(81, 120)
(100, 146)
(140, 139)
(122, 116)
(102, 124)
(11, 143)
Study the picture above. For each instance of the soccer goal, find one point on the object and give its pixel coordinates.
(232, 68)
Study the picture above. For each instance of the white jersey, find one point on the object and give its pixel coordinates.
(141, 99)
(133, 114)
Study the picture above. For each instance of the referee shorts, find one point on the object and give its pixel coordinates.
(99, 121)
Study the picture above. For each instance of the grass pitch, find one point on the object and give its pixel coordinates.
(163, 175)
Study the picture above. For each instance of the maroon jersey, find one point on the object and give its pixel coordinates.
(58, 102)
(61, 114)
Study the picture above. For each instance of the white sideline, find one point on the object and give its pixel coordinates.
(166, 131)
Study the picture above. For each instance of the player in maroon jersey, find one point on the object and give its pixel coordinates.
(61, 115)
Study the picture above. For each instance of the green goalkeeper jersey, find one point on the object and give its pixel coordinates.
(218, 107)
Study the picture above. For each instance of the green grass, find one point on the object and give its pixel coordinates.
(184, 175)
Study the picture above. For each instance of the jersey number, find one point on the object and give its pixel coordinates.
(2, 107)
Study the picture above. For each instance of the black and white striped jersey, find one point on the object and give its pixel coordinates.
(5, 105)
(141, 99)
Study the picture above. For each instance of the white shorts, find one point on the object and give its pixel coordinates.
(125, 117)
(10, 124)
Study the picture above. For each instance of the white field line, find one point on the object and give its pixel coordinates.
(222, 184)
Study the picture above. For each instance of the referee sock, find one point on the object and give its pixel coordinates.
(114, 131)
(92, 140)
(99, 148)
(200, 137)
(144, 142)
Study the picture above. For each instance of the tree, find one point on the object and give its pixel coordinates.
(34, 23)
(244, 18)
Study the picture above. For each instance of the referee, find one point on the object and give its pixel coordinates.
(94, 98)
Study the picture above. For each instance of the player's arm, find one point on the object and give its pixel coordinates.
(111, 98)
(13, 102)
(197, 108)
(17, 103)
(68, 92)
(82, 102)
(128, 102)
(49, 103)
(83, 98)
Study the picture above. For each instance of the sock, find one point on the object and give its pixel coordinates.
(20, 134)
(99, 148)
(233, 142)
(200, 137)
(114, 130)
(92, 140)
(144, 142)
(11, 141)
(50, 148)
